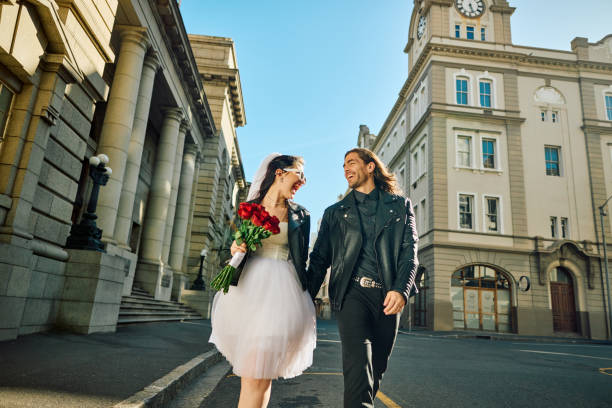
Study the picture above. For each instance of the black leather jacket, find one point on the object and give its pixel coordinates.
(339, 243)
(298, 236)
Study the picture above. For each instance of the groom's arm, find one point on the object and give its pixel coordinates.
(407, 263)
(320, 257)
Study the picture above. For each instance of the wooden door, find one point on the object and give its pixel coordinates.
(563, 306)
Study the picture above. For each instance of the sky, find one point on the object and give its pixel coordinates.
(312, 72)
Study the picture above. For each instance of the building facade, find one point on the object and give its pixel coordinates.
(79, 79)
(506, 154)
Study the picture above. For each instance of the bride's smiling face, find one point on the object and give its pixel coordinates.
(289, 180)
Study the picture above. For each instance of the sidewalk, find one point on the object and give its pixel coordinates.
(99, 370)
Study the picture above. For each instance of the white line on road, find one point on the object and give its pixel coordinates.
(329, 341)
(565, 354)
(561, 345)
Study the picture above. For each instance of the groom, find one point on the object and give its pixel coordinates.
(369, 239)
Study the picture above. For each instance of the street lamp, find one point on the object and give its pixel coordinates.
(86, 235)
(198, 284)
(602, 214)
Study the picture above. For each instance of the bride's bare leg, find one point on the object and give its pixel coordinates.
(254, 393)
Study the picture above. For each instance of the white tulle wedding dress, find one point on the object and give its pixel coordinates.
(266, 326)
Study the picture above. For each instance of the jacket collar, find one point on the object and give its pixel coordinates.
(384, 212)
(295, 215)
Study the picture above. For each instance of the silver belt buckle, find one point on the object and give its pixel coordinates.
(366, 282)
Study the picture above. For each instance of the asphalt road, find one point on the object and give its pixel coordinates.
(439, 371)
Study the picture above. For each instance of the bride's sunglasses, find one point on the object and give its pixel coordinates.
(298, 173)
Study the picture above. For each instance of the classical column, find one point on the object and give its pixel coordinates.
(132, 171)
(161, 186)
(118, 121)
(183, 203)
(178, 162)
(192, 207)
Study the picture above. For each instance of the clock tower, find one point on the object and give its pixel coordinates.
(472, 20)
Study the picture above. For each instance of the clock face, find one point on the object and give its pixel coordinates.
(470, 8)
(421, 27)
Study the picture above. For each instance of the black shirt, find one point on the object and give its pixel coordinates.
(366, 206)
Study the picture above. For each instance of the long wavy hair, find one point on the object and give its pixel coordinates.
(383, 178)
(280, 162)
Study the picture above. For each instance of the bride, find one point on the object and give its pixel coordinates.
(265, 325)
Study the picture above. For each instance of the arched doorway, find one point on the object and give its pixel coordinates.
(562, 300)
(481, 299)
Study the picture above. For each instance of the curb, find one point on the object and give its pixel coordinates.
(493, 337)
(161, 392)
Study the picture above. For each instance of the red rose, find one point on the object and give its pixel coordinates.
(245, 210)
(259, 218)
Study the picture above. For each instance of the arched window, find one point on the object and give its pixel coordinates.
(481, 299)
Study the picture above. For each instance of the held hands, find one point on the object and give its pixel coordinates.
(238, 248)
(394, 303)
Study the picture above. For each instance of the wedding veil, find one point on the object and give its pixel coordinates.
(260, 175)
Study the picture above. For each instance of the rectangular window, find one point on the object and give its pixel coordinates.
(554, 117)
(415, 166)
(609, 106)
(492, 214)
(553, 227)
(551, 154)
(402, 178)
(483, 32)
(469, 32)
(543, 116)
(457, 31)
(564, 228)
(485, 94)
(423, 164)
(415, 209)
(423, 215)
(466, 203)
(462, 91)
(6, 99)
(488, 153)
(464, 151)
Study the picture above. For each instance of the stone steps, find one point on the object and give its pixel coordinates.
(141, 307)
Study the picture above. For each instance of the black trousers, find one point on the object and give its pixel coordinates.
(367, 336)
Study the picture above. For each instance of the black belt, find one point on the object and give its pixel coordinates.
(367, 282)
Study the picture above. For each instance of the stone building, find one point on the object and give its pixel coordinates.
(221, 184)
(506, 153)
(120, 78)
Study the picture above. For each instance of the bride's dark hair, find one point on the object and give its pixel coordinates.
(281, 162)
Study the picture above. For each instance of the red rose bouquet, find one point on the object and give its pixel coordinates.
(256, 225)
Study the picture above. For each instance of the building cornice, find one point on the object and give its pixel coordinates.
(177, 42)
(518, 59)
(226, 74)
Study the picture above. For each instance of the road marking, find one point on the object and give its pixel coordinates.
(565, 354)
(386, 400)
(328, 341)
(558, 345)
(605, 371)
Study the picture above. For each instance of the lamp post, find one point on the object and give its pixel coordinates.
(602, 214)
(86, 235)
(198, 284)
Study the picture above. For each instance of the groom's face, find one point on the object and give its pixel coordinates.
(356, 171)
